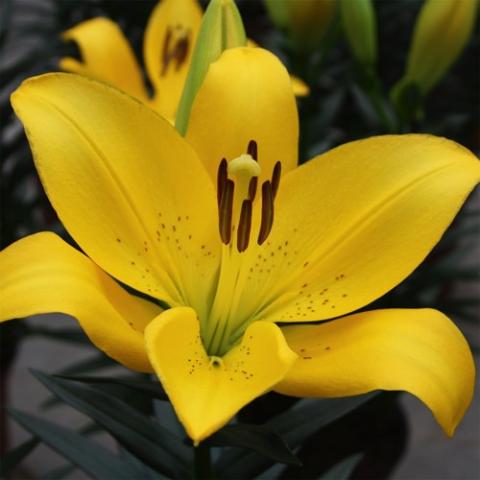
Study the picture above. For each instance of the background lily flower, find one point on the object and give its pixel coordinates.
(225, 228)
(168, 45)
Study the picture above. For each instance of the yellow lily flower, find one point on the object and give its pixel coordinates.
(168, 44)
(225, 228)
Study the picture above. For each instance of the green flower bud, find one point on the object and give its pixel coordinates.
(442, 30)
(221, 28)
(305, 21)
(359, 24)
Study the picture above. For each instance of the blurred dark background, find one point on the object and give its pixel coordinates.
(337, 110)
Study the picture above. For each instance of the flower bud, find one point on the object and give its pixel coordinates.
(305, 21)
(221, 28)
(359, 24)
(442, 30)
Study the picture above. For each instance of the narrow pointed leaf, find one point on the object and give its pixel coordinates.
(342, 470)
(152, 389)
(254, 437)
(91, 457)
(12, 458)
(141, 435)
(294, 426)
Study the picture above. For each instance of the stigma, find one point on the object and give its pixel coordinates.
(237, 182)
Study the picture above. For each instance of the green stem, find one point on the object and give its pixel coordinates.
(202, 463)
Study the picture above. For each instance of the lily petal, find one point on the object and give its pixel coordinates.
(353, 223)
(168, 46)
(207, 392)
(246, 95)
(43, 274)
(106, 56)
(300, 88)
(419, 351)
(127, 187)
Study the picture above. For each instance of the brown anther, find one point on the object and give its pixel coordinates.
(244, 226)
(277, 170)
(267, 212)
(174, 51)
(252, 149)
(252, 188)
(221, 179)
(225, 212)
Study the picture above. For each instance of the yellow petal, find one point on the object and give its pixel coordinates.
(43, 274)
(168, 45)
(300, 88)
(127, 187)
(207, 392)
(419, 351)
(246, 95)
(354, 222)
(106, 56)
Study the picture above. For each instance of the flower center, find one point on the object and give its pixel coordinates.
(236, 193)
(236, 196)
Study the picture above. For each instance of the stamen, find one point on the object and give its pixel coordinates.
(277, 170)
(175, 49)
(221, 179)
(252, 149)
(252, 188)
(267, 212)
(244, 226)
(225, 212)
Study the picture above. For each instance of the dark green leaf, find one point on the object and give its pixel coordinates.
(140, 434)
(254, 437)
(342, 470)
(153, 389)
(94, 363)
(294, 426)
(12, 458)
(87, 455)
(59, 473)
(99, 361)
(147, 472)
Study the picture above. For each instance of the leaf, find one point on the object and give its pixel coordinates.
(147, 472)
(152, 389)
(138, 433)
(342, 470)
(294, 426)
(99, 361)
(90, 364)
(12, 458)
(59, 473)
(257, 438)
(89, 456)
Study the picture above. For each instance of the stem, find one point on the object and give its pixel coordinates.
(202, 463)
